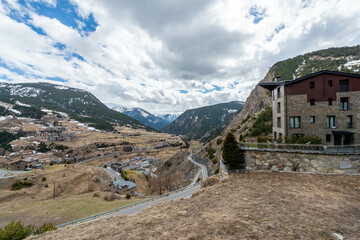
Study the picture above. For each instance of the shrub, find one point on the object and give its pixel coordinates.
(43, 148)
(46, 185)
(51, 163)
(104, 166)
(45, 228)
(219, 141)
(123, 175)
(214, 161)
(128, 196)
(210, 151)
(217, 170)
(25, 179)
(43, 179)
(15, 230)
(96, 195)
(263, 124)
(19, 185)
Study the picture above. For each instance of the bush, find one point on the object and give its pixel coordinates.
(214, 161)
(217, 170)
(96, 195)
(25, 179)
(263, 124)
(45, 228)
(43, 148)
(51, 163)
(219, 141)
(128, 196)
(43, 179)
(123, 175)
(46, 185)
(19, 185)
(210, 151)
(15, 230)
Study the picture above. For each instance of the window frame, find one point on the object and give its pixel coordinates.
(312, 119)
(342, 103)
(312, 85)
(312, 102)
(294, 123)
(329, 121)
(330, 83)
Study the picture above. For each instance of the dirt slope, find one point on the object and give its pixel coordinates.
(248, 206)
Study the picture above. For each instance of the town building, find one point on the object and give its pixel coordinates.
(324, 104)
(29, 162)
(123, 187)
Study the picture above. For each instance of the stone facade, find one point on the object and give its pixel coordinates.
(257, 160)
(298, 106)
(313, 98)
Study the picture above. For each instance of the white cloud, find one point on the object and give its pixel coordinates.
(142, 53)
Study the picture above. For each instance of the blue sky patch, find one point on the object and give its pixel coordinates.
(57, 79)
(64, 12)
(258, 13)
(183, 91)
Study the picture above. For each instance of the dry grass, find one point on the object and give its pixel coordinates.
(75, 186)
(248, 206)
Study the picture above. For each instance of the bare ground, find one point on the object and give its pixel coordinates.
(247, 206)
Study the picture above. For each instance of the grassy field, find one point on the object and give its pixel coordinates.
(75, 187)
(60, 210)
(247, 206)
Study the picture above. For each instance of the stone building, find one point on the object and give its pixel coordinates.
(123, 187)
(324, 104)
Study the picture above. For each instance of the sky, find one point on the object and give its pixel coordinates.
(165, 56)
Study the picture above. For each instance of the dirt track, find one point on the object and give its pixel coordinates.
(248, 206)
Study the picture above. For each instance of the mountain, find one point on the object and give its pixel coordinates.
(168, 117)
(141, 115)
(205, 122)
(79, 104)
(258, 104)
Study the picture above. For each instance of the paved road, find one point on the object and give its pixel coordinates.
(3, 173)
(114, 174)
(203, 168)
(196, 177)
(187, 193)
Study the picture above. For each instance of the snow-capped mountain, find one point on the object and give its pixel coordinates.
(205, 122)
(141, 115)
(78, 104)
(168, 117)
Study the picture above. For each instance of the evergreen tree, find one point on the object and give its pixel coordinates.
(232, 155)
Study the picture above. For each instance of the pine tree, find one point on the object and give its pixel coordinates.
(232, 155)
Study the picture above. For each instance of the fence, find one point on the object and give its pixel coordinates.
(328, 149)
(126, 207)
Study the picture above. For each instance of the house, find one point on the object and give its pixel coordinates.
(29, 162)
(324, 104)
(123, 187)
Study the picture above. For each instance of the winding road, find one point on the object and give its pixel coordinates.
(185, 193)
(203, 168)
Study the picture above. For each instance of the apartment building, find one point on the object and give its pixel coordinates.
(324, 104)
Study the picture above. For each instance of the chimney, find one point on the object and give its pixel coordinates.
(277, 79)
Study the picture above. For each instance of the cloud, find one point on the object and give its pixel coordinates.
(165, 55)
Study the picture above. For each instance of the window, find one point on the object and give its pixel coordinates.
(344, 103)
(312, 102)
(294, 122)
(279, 122)
(330, 121)
(330, 84)
(328, 137)
(312, 119)
(330, 101)
(350, 121)
(312, 85)
(278, 107)
(278, 92)
(275, 135)
(344, 85)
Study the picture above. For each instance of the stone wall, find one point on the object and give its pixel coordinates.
(257, 160)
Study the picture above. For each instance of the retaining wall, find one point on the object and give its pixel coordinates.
(257, 160)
